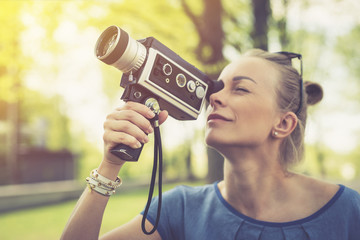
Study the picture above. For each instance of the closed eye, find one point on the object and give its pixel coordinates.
(241, 89)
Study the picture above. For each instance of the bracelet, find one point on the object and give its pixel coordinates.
(98, 187)
(101, 184)
(99, 178)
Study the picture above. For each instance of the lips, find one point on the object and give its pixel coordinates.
(215, 116)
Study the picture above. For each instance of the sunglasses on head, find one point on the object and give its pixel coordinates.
(291, 56)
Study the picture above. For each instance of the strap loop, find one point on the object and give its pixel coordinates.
(157, 158)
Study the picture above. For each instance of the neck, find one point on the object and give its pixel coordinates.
(254, 182)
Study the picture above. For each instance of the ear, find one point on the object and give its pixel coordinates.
(285, 126)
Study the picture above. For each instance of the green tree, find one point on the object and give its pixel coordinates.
(349, 53)
(12, 63)
(212, 23)
(30, 119)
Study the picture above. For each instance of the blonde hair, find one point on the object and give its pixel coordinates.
(288, 99)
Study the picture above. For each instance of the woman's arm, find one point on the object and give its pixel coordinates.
(85, 221)
(128, 125)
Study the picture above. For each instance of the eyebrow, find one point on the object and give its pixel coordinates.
(239, 78)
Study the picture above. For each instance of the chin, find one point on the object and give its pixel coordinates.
(215, 141)
(211, 137)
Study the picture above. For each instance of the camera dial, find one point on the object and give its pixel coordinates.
(191, 86)
(200, 92)
(153, 104)
(167, 69)
(181, 80)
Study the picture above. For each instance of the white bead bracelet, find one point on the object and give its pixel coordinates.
(112, 184)
(101, 184)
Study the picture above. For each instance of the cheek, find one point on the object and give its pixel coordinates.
(256, 115)
(251, 126)
(255, 120)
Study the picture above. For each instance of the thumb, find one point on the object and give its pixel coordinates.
(163, 115)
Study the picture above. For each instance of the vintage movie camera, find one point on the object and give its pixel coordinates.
(155, 76)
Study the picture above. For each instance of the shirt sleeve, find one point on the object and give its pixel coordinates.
(171, 215)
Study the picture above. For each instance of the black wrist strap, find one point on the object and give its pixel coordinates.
(157, 157)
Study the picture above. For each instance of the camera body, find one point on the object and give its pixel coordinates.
(179, 87)
(152, 70)
(156, 76)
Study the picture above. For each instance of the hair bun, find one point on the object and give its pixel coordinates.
(314, 92)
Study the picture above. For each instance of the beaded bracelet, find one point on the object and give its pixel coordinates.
(101, 184)
(96, 186)
(113, 184)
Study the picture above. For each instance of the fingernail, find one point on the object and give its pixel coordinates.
(150, 130)
(138, 145)
(146, 139)
(151, 114)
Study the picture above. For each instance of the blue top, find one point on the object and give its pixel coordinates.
(202, 213)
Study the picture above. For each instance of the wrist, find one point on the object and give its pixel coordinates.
(109, 170)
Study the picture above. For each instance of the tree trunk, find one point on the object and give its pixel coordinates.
(282, 27)
(189, 173)
(12, 151)
(209, 52)
(261, 12)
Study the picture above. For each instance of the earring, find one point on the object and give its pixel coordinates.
(275, 133)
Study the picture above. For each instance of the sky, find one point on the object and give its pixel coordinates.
(79, 78)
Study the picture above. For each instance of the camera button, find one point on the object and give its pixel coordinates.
(167, 69)
(181, 80)
(200, 92)
(191, 86)
(137, 94)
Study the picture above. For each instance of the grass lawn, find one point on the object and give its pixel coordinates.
(47, 223)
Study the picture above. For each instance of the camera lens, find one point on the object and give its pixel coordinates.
(108, 44)
(115, 47)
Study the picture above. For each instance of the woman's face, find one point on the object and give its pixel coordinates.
(244, 112)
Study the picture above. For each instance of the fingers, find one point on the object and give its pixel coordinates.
(163, 115)
(127, 126)
(115, 138)
(130, 125)
(138, 107)
(125, 120)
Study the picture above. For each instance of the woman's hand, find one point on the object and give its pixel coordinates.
(128, 125)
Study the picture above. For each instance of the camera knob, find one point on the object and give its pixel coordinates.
(153, 104)
(191, 86)
(181, 80)
(167, 69)
(200, 92)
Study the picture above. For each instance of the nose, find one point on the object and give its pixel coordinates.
(217, 99)
(214, 86)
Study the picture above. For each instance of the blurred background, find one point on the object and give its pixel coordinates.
(55, 95)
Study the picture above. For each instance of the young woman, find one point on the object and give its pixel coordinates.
(257, 123)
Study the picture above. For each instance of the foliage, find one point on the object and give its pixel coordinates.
(351, 55)
(44, 116)
(35, 47)
(175, 163)
(11, 57)
(323, 162)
